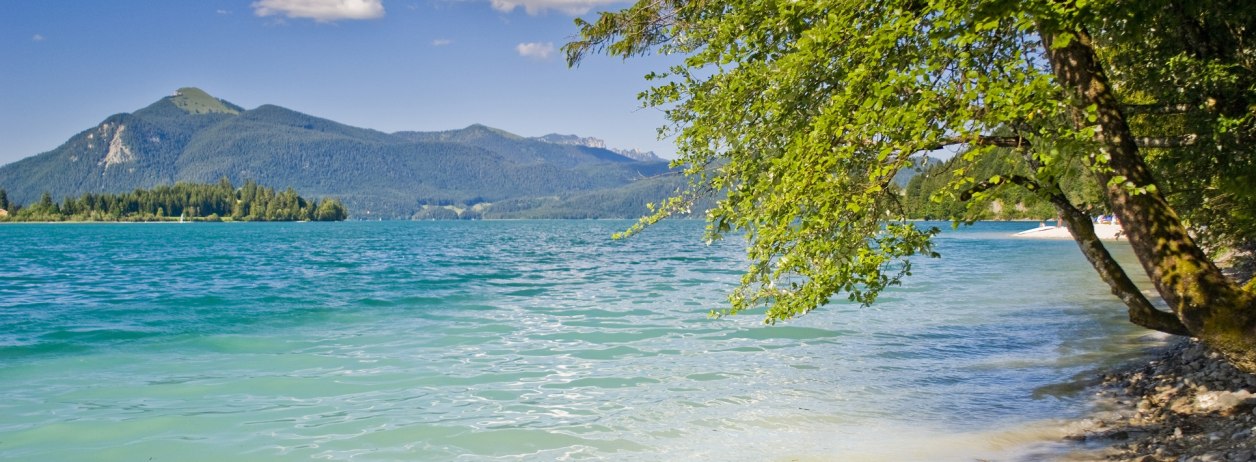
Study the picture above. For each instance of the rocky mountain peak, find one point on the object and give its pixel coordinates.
(634, 154)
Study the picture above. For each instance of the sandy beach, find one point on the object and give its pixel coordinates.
(1105, 231)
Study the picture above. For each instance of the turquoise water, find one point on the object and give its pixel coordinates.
(532, 340)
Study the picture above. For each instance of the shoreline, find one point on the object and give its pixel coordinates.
(1186, 403)
(1105, 231)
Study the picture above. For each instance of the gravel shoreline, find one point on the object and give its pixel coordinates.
(1185, 405)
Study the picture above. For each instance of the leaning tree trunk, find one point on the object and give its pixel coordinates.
(1210, 306)
(1141, 311)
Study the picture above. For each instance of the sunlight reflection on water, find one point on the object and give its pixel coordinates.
(531, 340)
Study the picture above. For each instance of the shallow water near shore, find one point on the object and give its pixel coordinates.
(534, 340)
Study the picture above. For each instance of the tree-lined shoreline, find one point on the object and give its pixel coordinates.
(179, 202)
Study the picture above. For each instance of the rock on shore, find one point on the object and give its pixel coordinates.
(1186, 405)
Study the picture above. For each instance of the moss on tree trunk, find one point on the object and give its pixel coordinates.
(1210, 305)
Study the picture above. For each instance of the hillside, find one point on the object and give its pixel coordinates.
(192, 136)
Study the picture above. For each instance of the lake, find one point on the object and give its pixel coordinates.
(525, 340)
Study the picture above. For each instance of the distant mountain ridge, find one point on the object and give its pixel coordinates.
(476, 171)
(643, 156)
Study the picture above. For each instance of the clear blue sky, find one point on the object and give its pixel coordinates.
(389, 65)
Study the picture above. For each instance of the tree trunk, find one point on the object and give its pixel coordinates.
(1141, 311)
(1209, 305)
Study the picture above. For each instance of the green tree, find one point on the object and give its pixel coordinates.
(4, 199)
(44, 210)
(798, 114)
(46, 202)
(330, 209)
(182, 199)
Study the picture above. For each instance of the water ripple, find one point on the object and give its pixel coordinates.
(507, 340)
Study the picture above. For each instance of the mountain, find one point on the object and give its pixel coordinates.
(194, 137)
(573, 140)
(518, 149)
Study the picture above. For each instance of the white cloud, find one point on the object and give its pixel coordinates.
(536, 50)
(37, 38)
(442, 42)
(572, 7)
(320, 10)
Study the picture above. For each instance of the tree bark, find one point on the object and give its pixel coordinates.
(1207, 303)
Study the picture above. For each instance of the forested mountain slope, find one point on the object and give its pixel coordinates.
(194, 137)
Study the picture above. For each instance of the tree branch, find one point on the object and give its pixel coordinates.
(1141, 311)
(1179, 108)
(1177, 142)
(630, 32)
(997, 181)
(981, 140)
(1021, 142)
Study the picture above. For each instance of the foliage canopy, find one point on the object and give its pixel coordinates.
(797, 115)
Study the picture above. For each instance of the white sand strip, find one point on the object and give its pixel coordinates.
(1108, 232)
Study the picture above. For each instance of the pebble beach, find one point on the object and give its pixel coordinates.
(1188, 404)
